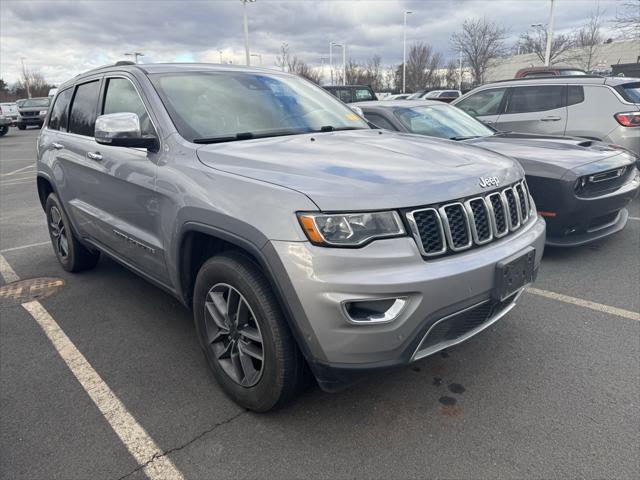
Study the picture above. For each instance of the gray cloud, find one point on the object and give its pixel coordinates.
(61, 39)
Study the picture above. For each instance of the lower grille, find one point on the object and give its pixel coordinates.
(452, 329)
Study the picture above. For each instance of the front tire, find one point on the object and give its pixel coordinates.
(72, 255)
(22, 127)
(245, 337)
(4, 130)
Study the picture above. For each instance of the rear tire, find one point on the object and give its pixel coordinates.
(258, 385)
(72, 255)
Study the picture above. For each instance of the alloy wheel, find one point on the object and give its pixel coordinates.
(233, 335)
(58, 232)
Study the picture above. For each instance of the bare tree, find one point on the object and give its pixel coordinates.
(301, 68)
(627, 19)
(451, 74)
(282, 60)
(32, 82)
(389, 78)
(373, 72)
(422, 65)
(589, 38)
(537, 43)
(480, 41)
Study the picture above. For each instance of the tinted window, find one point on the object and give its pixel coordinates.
(343, 94)
(630, 91)
(363, 94)
(379, 121)
(486, 102)
(58, 118)
(536, 98)
(575, 94)
(122, 96)
(224, 104)
(83, 110)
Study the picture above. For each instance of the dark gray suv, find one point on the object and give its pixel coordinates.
(301, 238)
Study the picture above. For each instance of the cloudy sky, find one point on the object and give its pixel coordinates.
(60, 38)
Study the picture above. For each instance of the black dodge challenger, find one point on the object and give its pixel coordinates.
(580, 186)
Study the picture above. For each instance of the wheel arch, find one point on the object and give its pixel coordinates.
(45, 188)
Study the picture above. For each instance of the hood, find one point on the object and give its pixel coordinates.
(551, 156)
(32, 109)
(364, 169)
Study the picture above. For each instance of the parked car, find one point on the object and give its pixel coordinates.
(596, 108)
(582, 187)
(351, 93)
(446, 96)
(397, 96)
(532, 72)
(9, 110)
(296, 233)
(5, 123)
(32, 111)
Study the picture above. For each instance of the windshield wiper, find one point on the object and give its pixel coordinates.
(468, 137)
(249, 135)
(331, 128)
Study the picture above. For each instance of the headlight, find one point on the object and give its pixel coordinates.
(43, 112)
(350, 229)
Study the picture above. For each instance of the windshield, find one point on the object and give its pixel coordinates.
(35, 102)
(442, 121)
(236, 105)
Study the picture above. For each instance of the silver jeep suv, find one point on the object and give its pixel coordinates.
(301, 238)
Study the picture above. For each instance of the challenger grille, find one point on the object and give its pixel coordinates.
(457, 226)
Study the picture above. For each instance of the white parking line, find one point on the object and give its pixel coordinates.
(599, 307)
(22, 182)
(637, 219)
(141, 446)
(16, 171)
(21, 247)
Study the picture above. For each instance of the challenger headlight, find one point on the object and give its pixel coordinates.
(350, 229)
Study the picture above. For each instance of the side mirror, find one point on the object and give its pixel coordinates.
(122, 130)
(357, 110)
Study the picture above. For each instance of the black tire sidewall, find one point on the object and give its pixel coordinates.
(267, 392)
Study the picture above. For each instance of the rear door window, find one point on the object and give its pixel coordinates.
(59, 113)
(82, 118)
(486, 102)
(122, 96)
(536, 98)
(363, 94)
(343, 94)
(575, 95)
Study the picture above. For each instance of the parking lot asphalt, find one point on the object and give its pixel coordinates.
(551, 390)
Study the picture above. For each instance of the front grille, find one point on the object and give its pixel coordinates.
(450, 329)
(29, 114)
(457, 226)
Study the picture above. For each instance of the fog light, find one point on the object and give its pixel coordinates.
(374, 311)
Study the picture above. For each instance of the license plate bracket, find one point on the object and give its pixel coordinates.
(514, 273)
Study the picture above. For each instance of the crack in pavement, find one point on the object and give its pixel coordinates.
(157, 456)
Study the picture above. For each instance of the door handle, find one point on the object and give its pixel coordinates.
(489, 122)
(97, 156)
(57, 146)
(550, 119)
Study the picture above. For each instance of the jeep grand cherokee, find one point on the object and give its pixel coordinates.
(300, 237)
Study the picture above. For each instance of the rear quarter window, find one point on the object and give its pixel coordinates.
(629, 91)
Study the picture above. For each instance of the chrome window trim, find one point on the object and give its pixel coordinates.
(512, 227)
(496, 233)
(416, 232)
(447, 228)
(474, 231)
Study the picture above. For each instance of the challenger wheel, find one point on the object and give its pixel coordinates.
(72, 255)
(245, 337)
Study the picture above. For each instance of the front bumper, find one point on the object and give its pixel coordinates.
(581, 220)
(5, 121)
(324, 278)
(31, 120)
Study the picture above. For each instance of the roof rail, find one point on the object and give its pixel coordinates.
(547, 77)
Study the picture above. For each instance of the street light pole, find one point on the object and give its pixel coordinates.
(404, 50)
(246, 30)
(135, 55)
(460, 71)
(344, 64)
(331, 45)
(547, 55)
